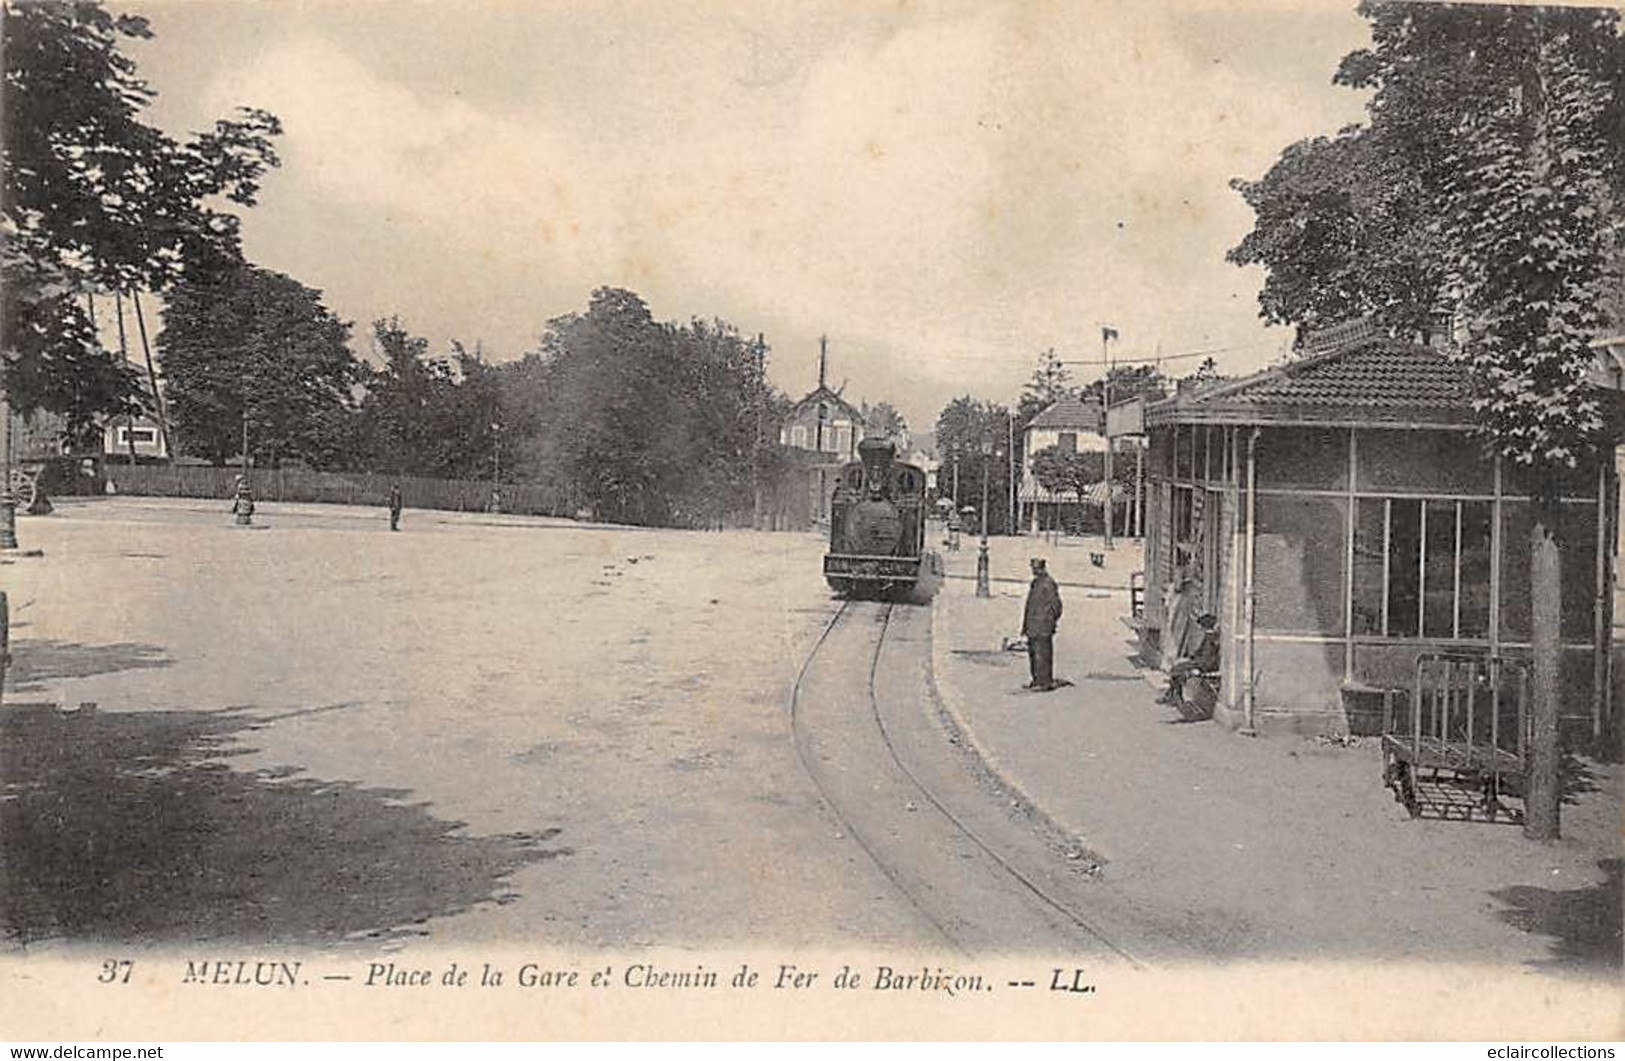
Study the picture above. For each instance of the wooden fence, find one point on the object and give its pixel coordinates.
(335, 488)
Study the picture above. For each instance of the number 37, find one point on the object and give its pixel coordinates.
(116, 971)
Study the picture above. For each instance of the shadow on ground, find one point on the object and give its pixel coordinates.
(1584, 923)
(35, 661)
(132, 827)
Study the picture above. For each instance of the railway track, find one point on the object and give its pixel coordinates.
(984, 882)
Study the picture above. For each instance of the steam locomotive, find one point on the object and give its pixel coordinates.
(876, 523)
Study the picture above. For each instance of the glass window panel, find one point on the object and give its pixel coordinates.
(1299, 564)
(1183, 504)
(1162, 452)
(1514, 571)
(1450, 462)
(1369, 548)
(1182, 452)
(1476, 519)
(1439, 586)
(1579, 543)
(1302, 456)
(1578, 482)
(1199, 453)
(1404, 574)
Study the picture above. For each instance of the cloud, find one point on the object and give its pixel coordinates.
(930, 186)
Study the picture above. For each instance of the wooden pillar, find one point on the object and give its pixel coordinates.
(1601, 621)
(1249, 588)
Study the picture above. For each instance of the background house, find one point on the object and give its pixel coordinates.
(826, 425)
(1074, 426)
(141, 436)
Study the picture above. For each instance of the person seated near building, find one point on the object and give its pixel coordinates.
(1203, 658)
(1179, 609)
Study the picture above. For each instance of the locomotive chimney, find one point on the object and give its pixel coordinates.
(876, 455)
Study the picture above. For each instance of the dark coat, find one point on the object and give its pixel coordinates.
(1043, 608)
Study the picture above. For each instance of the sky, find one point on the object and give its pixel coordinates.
(946, 190)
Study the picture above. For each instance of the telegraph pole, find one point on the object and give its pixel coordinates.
(756, 446)
(152, 377)
(982, 589)
(1106, 337)
(1010, 440)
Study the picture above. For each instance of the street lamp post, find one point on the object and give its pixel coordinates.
(982, 589)
(496, 467)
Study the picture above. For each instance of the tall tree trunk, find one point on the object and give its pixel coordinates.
(1545, 790)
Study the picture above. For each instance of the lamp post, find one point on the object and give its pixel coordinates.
(242, 504)
(981, 556)
(496, 467)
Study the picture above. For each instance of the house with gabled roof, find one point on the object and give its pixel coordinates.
(826, 425)
(1340, 517)
(1070, 424)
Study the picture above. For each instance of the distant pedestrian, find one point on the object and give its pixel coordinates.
(242, 503)
(395, 505)
(1043, 612)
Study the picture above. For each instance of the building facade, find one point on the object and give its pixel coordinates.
(138, 436)
(1340, 517)
(1073, 426)
(827, 426)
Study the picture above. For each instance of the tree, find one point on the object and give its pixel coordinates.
(255, 345)
(1067, 471)
(97, 199)
(646, 422)
(1343, 231)
(1128, 381)
(1207, 372)
(52, 358)
(964, 427)
(1051, 381)
(1504, 125)
(881, 420)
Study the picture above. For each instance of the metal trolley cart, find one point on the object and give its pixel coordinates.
(1468, 728)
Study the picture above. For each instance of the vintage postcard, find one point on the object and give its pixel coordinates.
(998, 520)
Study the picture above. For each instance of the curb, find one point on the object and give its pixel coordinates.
(1066, 839)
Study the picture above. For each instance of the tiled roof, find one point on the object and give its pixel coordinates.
(1381, 382)
(1070, 412)
(831, 398)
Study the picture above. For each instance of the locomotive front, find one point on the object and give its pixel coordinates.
(877, 522)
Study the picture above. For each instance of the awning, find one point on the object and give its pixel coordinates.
(1095, 494)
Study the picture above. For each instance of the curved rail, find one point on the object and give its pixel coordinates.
(1024, 880)
(970, 834)
(798, 737)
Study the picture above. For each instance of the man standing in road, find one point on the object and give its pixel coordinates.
(1043, 611)
(395, 505)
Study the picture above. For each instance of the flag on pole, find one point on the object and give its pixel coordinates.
(1108, 334)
